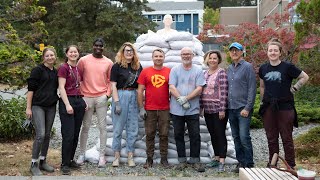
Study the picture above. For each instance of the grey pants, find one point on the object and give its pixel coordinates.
(42, 119)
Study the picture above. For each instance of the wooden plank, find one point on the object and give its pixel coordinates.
(267, 173)
(252, 174)
(282, 174)
(272, 174)
(244, 175)
(261, 173)
(292, 176)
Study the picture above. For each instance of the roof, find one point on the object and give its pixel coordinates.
(170, 5)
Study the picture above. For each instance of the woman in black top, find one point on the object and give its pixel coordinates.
(41, 108)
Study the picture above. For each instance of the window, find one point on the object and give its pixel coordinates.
(174, 18)
(180, 18)
(156, 18)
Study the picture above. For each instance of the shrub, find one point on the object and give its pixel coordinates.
(307, 145)
(12, 115)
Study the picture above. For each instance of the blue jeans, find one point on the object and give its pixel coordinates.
(193, 126)
(128, 119)
(240, 127)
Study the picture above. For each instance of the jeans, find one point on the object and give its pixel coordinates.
(280, 122)
(157, 119)
(217, 130)
(240, 127)
(127, 119)
(193, 126)
(70, 127)
(100, 105)
(42, 119)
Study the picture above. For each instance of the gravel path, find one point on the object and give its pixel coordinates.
(260, 151)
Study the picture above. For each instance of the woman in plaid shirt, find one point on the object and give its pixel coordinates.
(213, 104)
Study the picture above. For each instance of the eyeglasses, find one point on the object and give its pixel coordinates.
(128, 50)
(186, 54)
(234, 50)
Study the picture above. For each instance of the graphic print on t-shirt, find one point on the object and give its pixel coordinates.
(273, 76)
(158, 80)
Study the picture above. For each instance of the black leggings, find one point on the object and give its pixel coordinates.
(217, 130)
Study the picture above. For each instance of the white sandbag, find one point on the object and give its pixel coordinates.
(156, 40)
(109, 152)
(141, 38)
(205, 160)
(179, 36)
(171, 153)
(231, 151)
(137, 46)
(173, 53)
(176, 59)
(171, 64)
(109, 128)
(123, 152)
(139, 160)
(110, 134)
(197, 60)
(150, 49)
(202, 121)
(92, 155)
(203, 153)
(141, 124)
(203, 129)
(211, 151)
(109, 120)
(145, 57)
(172, 146)
(198, 48)
(229, 138)
(230, 160)
(205, 137)
(178, 45)
(146, 64)
(140, 144)
(173, 161)
(139, 153)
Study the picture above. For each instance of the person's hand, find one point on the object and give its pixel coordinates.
(293, 89)
(222, 114)
(182, 100)
(201, 112)
(186, 105)
(29, 113)
(69, 109)
(143, 113)
(244, 113)
(117, 108)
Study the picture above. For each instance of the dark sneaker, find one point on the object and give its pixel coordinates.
(46, 167)
(65, 170)
(74, 165)
(221, 167)
(148, 164)
(213, 163)
(34, 169)
(199, 167)
(181, 166)
(236, 169)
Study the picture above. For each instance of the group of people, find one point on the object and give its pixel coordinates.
(159, 94)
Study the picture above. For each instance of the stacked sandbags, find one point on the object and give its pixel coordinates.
(171, 44)
(206, 151)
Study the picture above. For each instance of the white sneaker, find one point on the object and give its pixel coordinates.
(80, 160)
(102, 162)
(130, 161)
(116, 162)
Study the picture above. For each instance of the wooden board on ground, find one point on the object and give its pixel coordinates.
(264, 174)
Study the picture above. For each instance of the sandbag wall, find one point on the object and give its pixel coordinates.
(171, 45)
(206, 151)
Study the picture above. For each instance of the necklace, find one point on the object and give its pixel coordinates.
(75, 76)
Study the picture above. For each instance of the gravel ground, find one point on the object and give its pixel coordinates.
(260, 152)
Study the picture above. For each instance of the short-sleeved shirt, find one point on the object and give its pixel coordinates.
(156, 84)
(185, 82)
(125, 77)
(277, 81)
(73, 78)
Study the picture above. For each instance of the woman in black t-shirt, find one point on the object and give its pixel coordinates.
(41, 108)
(277, 105)
(124, 76)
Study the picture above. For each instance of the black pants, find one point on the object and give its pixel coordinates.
(217, 130)
(70, 127)
(193, 126)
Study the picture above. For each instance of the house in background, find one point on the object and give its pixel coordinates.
(187, 16)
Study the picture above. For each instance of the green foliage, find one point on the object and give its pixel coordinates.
(12, 116)
(307, 145)
(115, 21)
(307, 103)
(211, 16)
